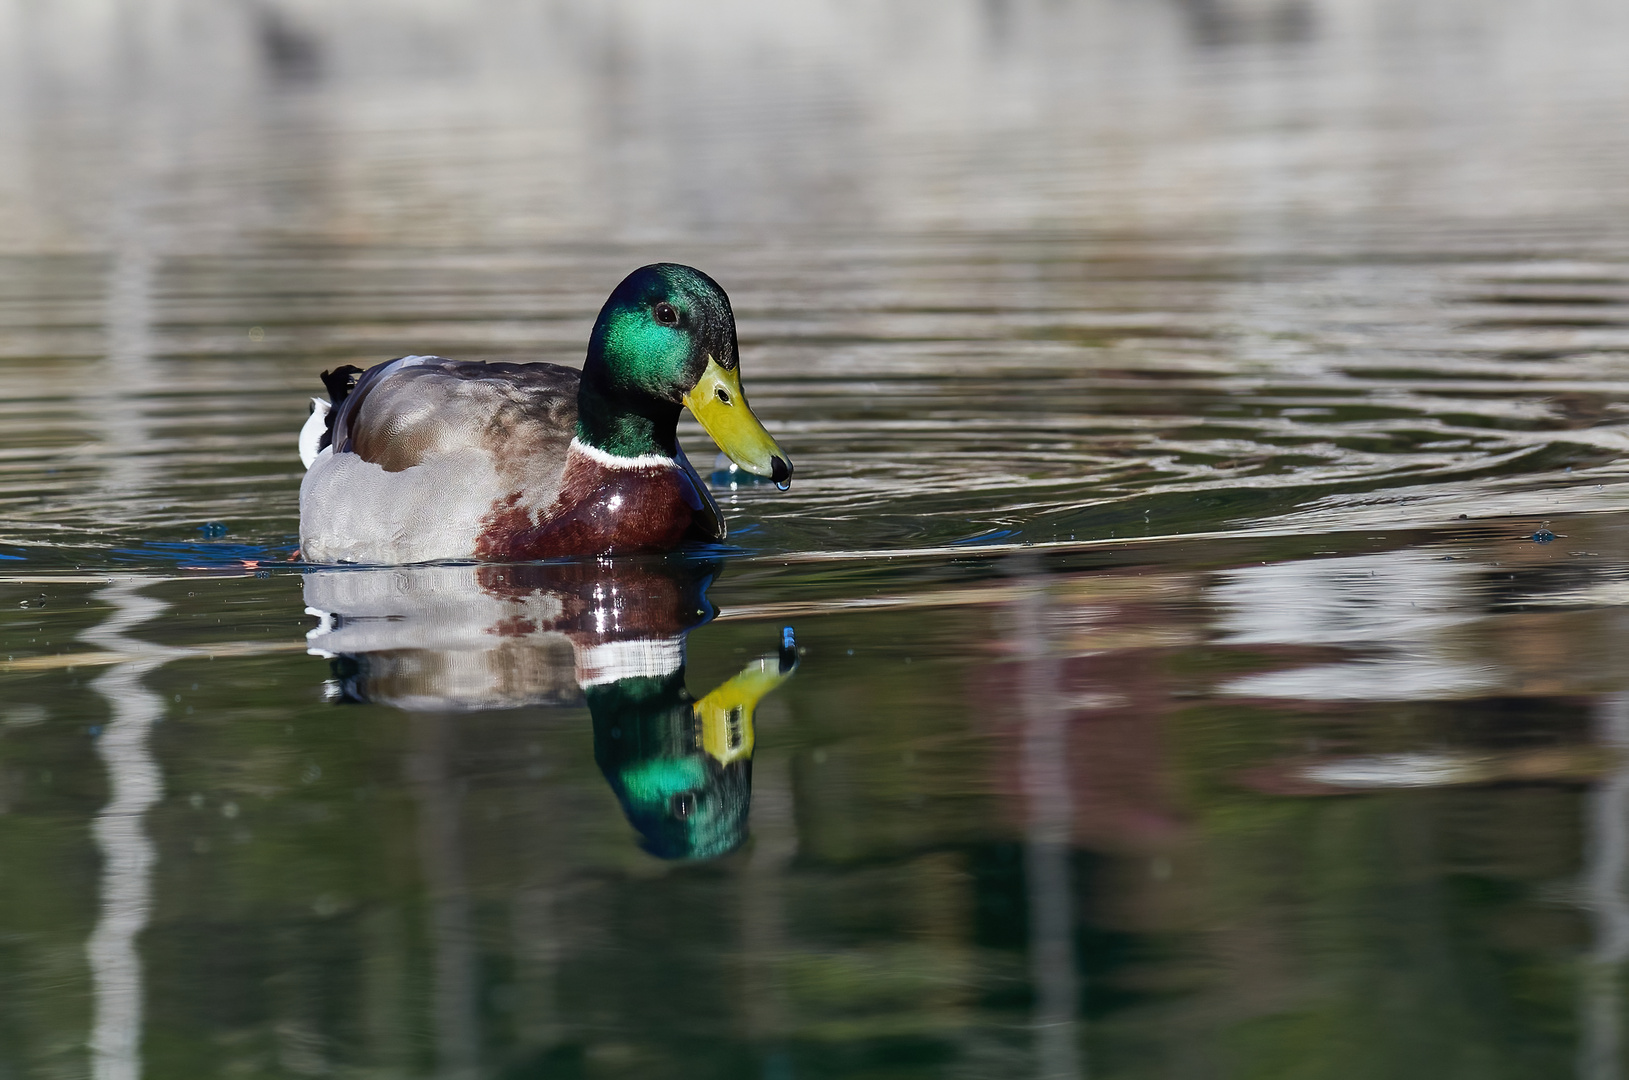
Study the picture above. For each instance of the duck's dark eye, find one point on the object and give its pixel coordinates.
(683, 803)
(666, 315)
(722, 394)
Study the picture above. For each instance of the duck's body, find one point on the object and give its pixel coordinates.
(430, 459)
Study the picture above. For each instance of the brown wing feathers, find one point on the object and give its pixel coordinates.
(396, 413)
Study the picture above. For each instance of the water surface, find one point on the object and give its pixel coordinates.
(1205, 574)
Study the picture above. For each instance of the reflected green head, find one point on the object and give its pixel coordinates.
(686, 808)
(648, 348)
(683, 803)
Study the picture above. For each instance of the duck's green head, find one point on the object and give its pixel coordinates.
(664, 340)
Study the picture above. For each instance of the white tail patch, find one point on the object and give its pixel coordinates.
(311, 434)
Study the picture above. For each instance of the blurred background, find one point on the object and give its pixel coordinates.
(206, 126)
(1207, 555)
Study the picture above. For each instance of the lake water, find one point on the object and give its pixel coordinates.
(1191, 647)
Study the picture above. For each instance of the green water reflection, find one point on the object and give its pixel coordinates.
(1254, 808)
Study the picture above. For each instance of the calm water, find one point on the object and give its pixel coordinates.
(1192, 646)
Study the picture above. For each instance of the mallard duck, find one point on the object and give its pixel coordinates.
(424, 458)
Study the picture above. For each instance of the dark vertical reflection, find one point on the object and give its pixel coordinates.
(1050, 808)
(539, 944)
(385, 981)
(763, 910)
(1606, 857)
(442, 853)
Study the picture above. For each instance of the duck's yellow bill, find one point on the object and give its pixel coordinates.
(726, 713)
(716, 401)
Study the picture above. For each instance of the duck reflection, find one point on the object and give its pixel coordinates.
(610, 634)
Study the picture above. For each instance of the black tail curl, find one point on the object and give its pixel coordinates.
(340, 382)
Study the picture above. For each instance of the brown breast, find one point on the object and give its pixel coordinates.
(600, 510)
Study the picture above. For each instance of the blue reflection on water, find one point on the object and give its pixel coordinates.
(203, 556)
